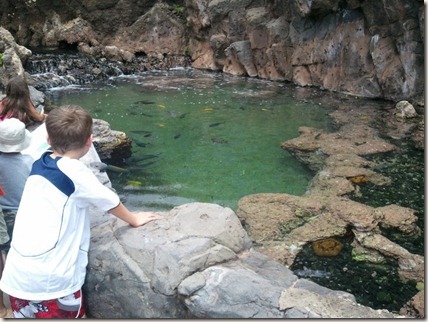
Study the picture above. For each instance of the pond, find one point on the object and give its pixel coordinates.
(200, 136)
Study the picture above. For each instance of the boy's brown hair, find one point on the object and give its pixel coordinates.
(68, 127)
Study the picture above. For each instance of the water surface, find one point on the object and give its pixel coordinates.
(201, 136)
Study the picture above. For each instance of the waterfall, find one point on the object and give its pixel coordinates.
(59, 69)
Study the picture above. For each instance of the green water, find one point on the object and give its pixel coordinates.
(200, 136)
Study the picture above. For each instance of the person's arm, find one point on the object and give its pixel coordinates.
(33, 114)
(135, 219)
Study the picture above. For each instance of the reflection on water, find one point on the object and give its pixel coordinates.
(200, 136)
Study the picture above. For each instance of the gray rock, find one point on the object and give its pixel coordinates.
(197, 262)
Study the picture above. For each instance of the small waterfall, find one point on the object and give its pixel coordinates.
(59, 69)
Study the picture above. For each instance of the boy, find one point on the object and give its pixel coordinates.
(15, 168)
(46, 264)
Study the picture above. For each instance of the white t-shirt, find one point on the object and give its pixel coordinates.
(49, 248)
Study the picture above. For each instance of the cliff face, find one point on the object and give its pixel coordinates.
(364, 48)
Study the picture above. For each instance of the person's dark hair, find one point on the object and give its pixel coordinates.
(68, 127)
(17, 102)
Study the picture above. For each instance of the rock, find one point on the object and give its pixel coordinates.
(415, 308)
(197, 262)
(325, 211)
(362, 48)
(302, 303)
(112, 146)
(405, 110)
(239, 59)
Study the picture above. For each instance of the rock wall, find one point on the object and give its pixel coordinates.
(365, 48)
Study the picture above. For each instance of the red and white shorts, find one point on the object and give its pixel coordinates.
(67, 307)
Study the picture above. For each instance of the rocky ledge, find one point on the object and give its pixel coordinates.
(281, 224)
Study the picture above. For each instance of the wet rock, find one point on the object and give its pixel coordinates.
(410, 266)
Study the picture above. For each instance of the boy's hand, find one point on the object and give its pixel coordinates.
(136, 218)
(143, 217)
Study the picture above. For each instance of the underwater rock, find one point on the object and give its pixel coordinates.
(327, 247)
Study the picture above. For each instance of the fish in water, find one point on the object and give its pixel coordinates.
(215, 124)
(177, 136)
(141, 132)
(134, 183)
(305, 272)
(144, 102)
(140, 143)
(143, 157)
(218, 141)
(144, 165)
(116, 169)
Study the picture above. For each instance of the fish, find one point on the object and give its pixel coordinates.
(134, 183)
(215, 124)
(116, 169)
(144, 157)
(177, 136)
(145, 102)
(143, 165)
(140, 143)
(208, 109)
(182, 116)
(161, 106)
(305, 272)
(218, 141)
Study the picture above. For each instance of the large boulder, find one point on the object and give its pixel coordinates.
(197, 262)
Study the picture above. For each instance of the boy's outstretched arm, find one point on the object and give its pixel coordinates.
(136, 218)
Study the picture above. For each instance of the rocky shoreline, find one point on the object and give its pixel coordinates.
(325, 211)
